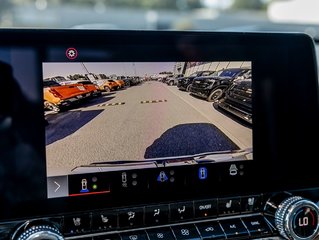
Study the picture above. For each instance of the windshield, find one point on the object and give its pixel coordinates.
(230, 73)
(233, 15)
(50, 83)
(194, 74)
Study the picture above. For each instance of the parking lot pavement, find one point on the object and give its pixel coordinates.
(145, 121)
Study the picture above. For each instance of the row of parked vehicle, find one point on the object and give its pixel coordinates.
(230, 89)
(59, 92)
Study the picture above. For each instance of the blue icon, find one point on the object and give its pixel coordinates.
(84, 184)
(162, 177)
(202, 173)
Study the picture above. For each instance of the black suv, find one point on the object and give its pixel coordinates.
(185, 82)
(212, 88)
(238, 100)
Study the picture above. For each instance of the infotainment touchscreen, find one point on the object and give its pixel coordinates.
(114, 116)
(114, 119)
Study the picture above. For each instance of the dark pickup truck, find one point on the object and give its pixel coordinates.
(185, 82)
(213, 87)
(237, 100)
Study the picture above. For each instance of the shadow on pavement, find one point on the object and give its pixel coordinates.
(63, 124)
(188, 139)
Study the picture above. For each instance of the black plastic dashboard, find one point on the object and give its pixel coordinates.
(127, 156)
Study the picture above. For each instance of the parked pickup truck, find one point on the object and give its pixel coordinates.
(184, 83)
(107, 85)
(238, 100)
(213, 87)
(57, 96)
(91, 87)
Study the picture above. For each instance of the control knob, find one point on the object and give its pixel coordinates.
(38, 231)
(297, 218)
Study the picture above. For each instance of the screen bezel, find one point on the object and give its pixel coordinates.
(275, 59)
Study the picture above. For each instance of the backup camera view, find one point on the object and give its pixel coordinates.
(106, 116)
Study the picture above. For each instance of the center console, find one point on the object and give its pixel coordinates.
(145, 135)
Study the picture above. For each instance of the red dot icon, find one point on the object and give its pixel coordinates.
(71, 53)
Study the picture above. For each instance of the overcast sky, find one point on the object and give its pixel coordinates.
(127, 68)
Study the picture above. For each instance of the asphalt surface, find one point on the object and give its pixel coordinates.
(146, 121)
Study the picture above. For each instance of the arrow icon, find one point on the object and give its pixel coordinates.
(57, 187)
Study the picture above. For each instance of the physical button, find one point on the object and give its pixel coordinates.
(234, 228)
(186, 232)
(156, 214)
(160, 234)
(181, 211)
(210, 230)
(228, 206)
(104, 221)
(77, 224)
(207, 208)
(251, 204)
(256, 225)
(137, 235)
(131, 217)
(107, 237)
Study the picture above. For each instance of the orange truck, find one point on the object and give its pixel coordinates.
(107, 85)
(91, 87)
(57, 96)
